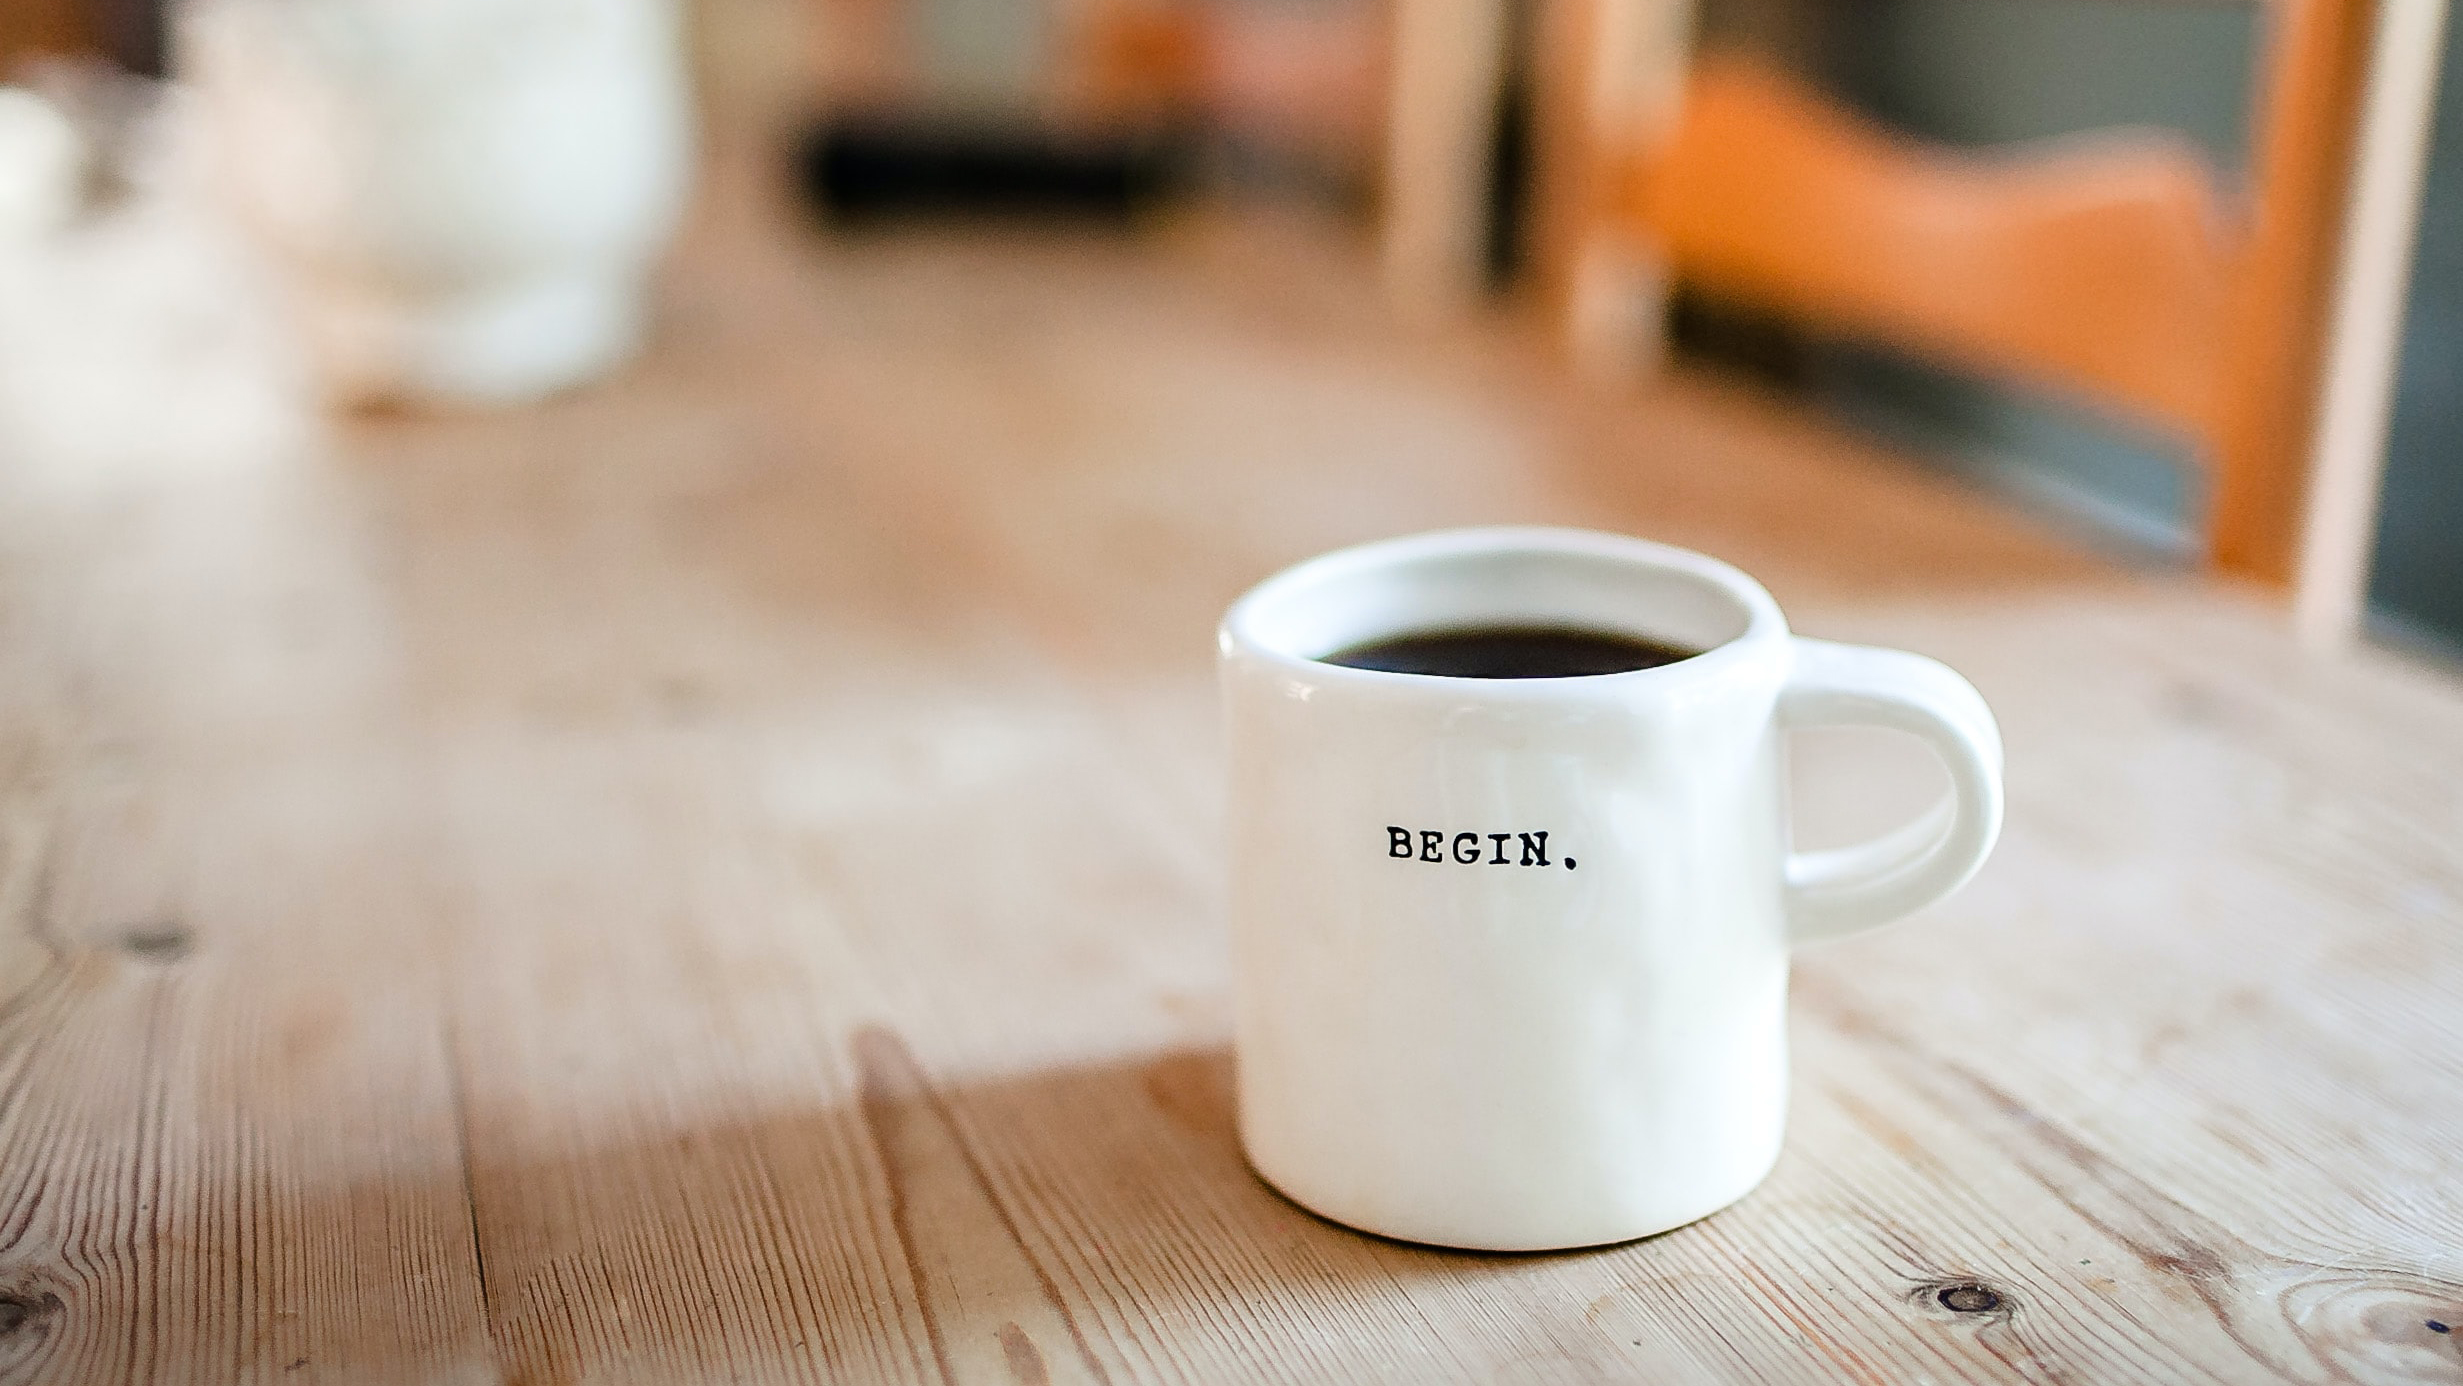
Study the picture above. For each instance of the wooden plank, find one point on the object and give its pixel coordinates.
(715, 878)
(228, 1138)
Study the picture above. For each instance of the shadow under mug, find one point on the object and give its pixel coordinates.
(1512, 954)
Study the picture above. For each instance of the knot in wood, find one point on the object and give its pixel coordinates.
(163, 942)
(1967, 1297)
(19, 1312)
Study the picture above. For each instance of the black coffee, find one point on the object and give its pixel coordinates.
(1510, 652)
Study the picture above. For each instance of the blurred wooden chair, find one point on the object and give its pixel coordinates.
(2115, 268)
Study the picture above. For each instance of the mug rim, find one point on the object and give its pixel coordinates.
(1239, 632)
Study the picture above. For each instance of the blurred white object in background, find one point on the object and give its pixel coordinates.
(466, 195)
(140, 342)
(42, 165)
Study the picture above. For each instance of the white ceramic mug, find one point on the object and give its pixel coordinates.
(468, 194)
(1512, 953)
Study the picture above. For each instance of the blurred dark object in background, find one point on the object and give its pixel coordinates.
(1112, 108)
(876, 166)
(127, 32)
(130, 33)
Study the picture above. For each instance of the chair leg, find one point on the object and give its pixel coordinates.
(2314, 71)
(1612, 78)
(1448, 75)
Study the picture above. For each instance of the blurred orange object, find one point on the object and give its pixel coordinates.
(32, 27)
(1310, 79)
(1139, 58)
(2106, 267)
(2112, 266)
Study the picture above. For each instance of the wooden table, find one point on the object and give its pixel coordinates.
(715, 879)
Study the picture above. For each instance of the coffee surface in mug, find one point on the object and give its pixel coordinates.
(1510, 652)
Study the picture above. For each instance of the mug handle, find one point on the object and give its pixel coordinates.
(1844, 890)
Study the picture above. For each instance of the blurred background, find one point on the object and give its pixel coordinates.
(2160, 272)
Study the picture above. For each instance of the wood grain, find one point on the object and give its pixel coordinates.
(715, 878)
